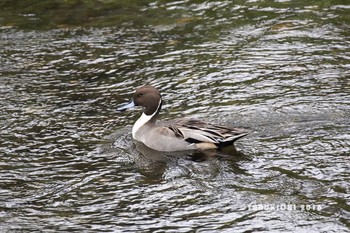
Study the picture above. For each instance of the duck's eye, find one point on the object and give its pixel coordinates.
(140, 94)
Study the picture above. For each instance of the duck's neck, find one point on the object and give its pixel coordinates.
(146, 119)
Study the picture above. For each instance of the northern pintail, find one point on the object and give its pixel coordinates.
(182, 134)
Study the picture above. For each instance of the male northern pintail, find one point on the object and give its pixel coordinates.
(182, 134)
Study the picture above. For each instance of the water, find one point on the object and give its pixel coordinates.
(279, 68)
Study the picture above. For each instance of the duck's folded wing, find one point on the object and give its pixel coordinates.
(198, 132)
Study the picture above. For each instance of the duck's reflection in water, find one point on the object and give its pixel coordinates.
(156, 165)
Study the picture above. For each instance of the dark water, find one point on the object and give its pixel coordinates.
(279, 68)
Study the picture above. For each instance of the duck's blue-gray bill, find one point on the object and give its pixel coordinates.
(126, 106)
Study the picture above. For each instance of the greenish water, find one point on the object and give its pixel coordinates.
(279, 68)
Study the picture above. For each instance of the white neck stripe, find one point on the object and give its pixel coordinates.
(143, 120)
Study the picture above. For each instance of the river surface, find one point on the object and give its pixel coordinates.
(278, 68)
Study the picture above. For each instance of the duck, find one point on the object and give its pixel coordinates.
(178, 135)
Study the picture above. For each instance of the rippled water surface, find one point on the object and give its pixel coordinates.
(279, 68)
